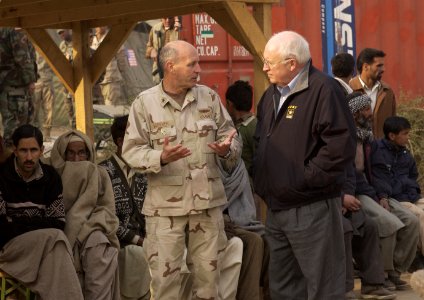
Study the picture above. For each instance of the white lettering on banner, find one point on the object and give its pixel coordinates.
(240, 51)
(207, 50)
(343, 25)
(205, 35)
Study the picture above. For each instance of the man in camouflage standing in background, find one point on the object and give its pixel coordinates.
(66, 48)
(18, 74)
(44, 97)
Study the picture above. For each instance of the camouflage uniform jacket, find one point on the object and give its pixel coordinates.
(159, 37)
(66, 48)
(44, 71)
(17, 59)
(191, 184)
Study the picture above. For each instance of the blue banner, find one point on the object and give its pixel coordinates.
(337, 30)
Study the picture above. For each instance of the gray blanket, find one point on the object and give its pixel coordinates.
(241, 204)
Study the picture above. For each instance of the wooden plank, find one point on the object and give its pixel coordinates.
(45, 45)
(53, 19)
(83, 84)
(219, 14)
(15, 3)
(237, 20)
(262, 14)
(7, 3)
(42, 7)
(116, 36)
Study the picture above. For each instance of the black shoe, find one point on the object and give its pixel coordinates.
(376, 292)
(388, 285)
(400, 284)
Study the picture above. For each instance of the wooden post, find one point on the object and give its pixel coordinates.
(262, 15)
(82, 79)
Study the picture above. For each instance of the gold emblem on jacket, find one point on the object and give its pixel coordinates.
(290, 111)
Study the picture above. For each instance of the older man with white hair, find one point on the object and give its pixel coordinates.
(305, 141)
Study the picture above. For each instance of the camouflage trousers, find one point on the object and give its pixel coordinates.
(167, 238)
(113, 93)
(69, 105)
(43, 106)
(16, 108)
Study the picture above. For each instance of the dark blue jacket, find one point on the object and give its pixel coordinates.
(394, 172)
(361, 180)
(303, 150)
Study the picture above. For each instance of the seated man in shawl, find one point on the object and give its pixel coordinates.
(91, 223)
(33, 247)
(129, 188)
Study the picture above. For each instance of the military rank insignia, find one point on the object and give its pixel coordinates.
(290, 111)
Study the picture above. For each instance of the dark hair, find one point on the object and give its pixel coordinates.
(395, 125)
(342, 65)
(27, 131)
(118, 127)
(240, 94)
(367, 56)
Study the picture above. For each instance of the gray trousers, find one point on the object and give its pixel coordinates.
(364, 247)
(400, 247)
(307, 255)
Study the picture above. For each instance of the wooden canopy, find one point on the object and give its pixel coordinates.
(35, 16)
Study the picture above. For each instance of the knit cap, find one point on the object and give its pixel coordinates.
(358, 102)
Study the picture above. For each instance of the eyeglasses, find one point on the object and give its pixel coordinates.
(273, 64)
(72, 154)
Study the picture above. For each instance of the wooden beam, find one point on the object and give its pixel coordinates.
(83, 84)
(7, 3)
(116, 36)
(53, 19)
(42, 7)
(219, 14)
(45, 45)
(262, 14)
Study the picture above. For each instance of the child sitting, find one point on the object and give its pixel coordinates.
(394, 172)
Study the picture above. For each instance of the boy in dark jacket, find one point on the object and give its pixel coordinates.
(395, 172)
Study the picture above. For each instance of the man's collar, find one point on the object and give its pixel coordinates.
(165, 98)
(377, 83)
(244, 118)
(344, 85)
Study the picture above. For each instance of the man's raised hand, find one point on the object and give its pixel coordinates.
(173, 153)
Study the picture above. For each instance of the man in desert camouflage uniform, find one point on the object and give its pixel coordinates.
(111, 84)
(44, 96)
(66, 48)
(162, 33)
(177, 132)
(18, 75)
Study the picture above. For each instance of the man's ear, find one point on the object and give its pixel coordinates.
(391, 136)
(42, 150)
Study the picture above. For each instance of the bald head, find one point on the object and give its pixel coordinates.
(289, 44)
(172, 51)
(180, 63)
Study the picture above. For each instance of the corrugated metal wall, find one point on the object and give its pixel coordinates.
(397, 28)
(394, 26)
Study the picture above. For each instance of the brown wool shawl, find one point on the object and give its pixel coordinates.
(87, 193)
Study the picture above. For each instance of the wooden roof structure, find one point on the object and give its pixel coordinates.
(251, 28)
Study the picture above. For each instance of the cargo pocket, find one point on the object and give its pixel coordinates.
(157, 138)
(207, 134)
(216, 186)
(167, 190)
